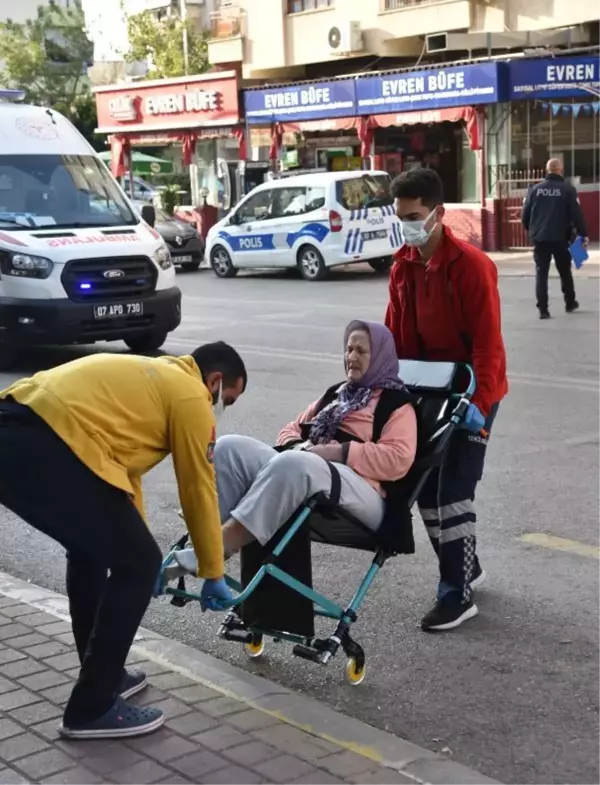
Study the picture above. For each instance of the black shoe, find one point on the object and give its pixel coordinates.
(572, 307)
(545, 314)
(448, 613)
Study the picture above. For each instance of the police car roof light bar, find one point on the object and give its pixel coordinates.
(8, 96)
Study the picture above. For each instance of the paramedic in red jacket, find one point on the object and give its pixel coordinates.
(444, 305)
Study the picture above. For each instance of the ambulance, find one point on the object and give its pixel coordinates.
(77, 263)
(311, 222)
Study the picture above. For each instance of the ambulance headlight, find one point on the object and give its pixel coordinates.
(24, 265)
(162, 257)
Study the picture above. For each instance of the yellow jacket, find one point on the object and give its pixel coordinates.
(121, 415)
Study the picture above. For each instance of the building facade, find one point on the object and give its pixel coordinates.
(483, 93)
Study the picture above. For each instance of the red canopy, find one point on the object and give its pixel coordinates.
(365, 126)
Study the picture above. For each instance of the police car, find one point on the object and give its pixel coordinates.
(309, 221)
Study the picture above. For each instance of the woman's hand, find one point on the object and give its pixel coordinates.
(329, 452)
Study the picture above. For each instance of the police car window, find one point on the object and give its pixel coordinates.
(356, 192)
(296, 201)
(256, 207)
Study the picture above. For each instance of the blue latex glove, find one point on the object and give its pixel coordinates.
(215, 595)
(474, 419)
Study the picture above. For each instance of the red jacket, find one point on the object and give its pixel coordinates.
(449, 310)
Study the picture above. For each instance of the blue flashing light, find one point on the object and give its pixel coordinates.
(85, 286)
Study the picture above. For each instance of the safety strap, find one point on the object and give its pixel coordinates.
(179, 602)
(389, 402)
(336, 485)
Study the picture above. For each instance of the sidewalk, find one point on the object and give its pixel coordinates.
(223, 724)
(525, 257)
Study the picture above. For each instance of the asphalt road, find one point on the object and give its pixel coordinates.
(514, 692)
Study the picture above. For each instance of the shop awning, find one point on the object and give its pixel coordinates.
(366, 125)
(143, 163)
(467, 114)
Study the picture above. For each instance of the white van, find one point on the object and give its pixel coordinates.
(77, 264)
(310, 221)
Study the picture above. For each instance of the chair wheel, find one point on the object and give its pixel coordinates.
(255, 648)
(355, 674)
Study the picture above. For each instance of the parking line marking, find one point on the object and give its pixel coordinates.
(561, 544)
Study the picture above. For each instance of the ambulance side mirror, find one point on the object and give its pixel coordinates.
(149, 214)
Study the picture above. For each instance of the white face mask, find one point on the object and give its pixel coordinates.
(218, 403)
(414, 232)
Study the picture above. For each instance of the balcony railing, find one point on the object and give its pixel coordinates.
(226, 23)
(397, 5)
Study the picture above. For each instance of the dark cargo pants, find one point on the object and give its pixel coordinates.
(447, 507)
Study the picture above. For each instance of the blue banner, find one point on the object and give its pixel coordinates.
(559, 77)
(432, 89)
(292, 103)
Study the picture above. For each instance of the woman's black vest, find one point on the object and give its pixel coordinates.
(395, 533)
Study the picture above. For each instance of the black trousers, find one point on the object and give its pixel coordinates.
(542, 255)
(112, 559)
(446, 504)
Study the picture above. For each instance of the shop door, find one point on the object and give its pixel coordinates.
(511, 195)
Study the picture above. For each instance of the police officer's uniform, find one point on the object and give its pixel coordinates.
(553, 217)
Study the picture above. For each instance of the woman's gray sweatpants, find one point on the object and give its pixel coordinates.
(261, 488)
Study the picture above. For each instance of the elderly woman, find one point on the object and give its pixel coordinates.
(260, 487)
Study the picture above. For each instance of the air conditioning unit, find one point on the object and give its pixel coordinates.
(437, 42)
(344, 38)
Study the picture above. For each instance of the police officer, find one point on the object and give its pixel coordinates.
(553, 218)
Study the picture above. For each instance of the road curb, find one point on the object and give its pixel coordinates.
(418, 764)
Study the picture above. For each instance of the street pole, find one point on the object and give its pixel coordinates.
(183, 15)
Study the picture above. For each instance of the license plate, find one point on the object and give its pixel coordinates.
(380, 234)
(187, 258)
(118, 310)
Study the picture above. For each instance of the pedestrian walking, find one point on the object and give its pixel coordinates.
(75, 442)
(444, 305)
(553, 218)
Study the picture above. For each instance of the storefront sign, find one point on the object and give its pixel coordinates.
(559, 77)
(453, 115)
(431, 89)
(300, 102)
(170, 104)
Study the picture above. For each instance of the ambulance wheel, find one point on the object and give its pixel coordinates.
(311, 264)
(382, 265)
(220, 261)
(146, 342)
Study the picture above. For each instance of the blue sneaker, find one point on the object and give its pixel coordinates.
(132, 683)
(121, 721)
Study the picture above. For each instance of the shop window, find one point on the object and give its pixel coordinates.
(567, 130)
(362, 191)
(297, 6)
(256, 208)
(296, 201)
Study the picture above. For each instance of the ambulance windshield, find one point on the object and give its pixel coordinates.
(59, 191)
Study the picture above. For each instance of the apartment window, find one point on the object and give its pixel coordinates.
(297, 6)
(396, 5)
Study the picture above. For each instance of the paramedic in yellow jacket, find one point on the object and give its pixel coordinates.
(74, 444)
